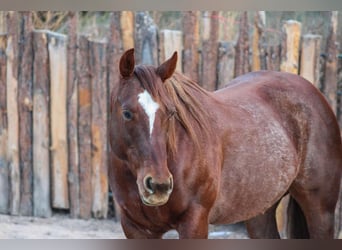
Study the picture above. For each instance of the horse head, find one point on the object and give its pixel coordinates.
(138, 132)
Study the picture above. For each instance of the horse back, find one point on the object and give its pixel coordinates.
(279, 124)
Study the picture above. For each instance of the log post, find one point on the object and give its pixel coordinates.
(258, 39)
(290, 46)
(330, 66)
(289, 63)
(41, 127)
(114, 51)
(242, 47)
(209, 54)
(58, 109)
(169, 42)
(310, 59)
(127, 29)
(145, 43)
(3, 28)
(225, 64)
(72, 107)
(99, 114)
(25, 112)
(84, 128)
(12, 53)
(191, 44)
(271, 57)
(4, 171)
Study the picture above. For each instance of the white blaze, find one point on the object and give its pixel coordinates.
(150, 107)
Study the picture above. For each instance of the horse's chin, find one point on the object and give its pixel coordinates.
(154, 201)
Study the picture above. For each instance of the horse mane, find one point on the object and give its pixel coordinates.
(182, 100)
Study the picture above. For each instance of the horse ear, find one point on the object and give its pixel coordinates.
(127, 63)
(166, 70)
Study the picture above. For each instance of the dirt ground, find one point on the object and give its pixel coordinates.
(62, 227)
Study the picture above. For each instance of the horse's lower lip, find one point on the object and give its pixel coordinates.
(153, 204)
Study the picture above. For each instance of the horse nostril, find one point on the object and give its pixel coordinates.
(149, 184)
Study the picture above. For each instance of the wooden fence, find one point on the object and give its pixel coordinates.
(55, 95)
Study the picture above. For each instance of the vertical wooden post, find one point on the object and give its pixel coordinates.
(25, 113)
(127, 29)
(191, 44)
(114, 51)
(84, 128)
(3, 28)
(289, 63)
(330, 67)
(209, 54)
(171, 41)
(225, 65)
(99, 114)
(145, 43)
(12, 109)
(242, 47)
(271, 57)
(41, 127)
(72, 106)
(59, 147)
(259, 24)
(4, 171)
(290, 46)
(310, 59)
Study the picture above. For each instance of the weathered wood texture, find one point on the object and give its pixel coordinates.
(127, 29)
(4, 171)
(330, 66)
(290, 46)
(169, 42)
(12, 52)
(242, 64)
(191, 44)
(58, 113)
(114, 52)
(225, 64)
(25, 112)
(41, 127)
(72, 107)
(99, 100)
(209, 55)
(84, 128)
(270, 55)
(145, 43)
(310, 59)
(258, 39)
(3, 23)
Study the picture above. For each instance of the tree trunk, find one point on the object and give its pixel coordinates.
(99, 100)
(59, 148)
(4, 171)
(41, 127)
(210, 54)
(242, 47)
(84, 128)
(72, 106)
(12, 109)
(25, 113)
(191, 44)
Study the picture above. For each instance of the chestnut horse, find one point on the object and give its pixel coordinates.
(183, 157)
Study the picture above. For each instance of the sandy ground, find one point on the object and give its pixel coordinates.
(62, 227)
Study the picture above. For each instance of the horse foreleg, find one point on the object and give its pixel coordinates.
(264, 226)
(133, 231)
(194, 224)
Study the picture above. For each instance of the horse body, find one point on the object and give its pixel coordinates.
(265, 135)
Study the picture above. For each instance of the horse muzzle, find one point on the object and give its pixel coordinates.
(155, 192)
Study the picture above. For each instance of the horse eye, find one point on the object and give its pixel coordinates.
(127, 115)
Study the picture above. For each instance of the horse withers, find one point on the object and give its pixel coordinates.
(183, 158)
